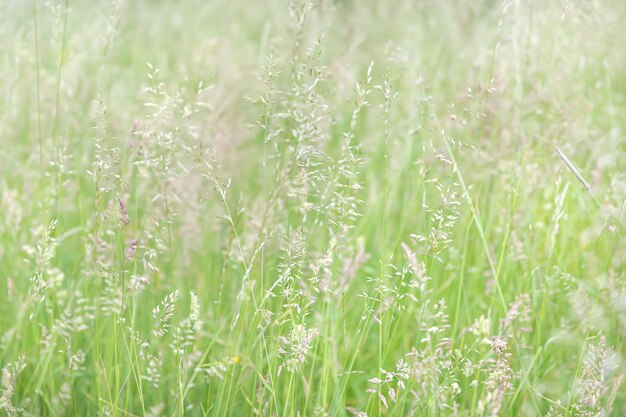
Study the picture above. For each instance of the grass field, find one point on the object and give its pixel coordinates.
(312, 208)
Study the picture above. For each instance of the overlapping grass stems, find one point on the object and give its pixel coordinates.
(312, 208)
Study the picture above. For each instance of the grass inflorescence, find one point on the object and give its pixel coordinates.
(312, 208)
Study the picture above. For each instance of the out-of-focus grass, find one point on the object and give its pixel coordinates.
(312, 208)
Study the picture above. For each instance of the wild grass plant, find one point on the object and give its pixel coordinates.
(312, 208)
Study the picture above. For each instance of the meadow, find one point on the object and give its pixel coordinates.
(296, 208)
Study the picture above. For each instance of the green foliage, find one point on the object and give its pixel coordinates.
(312, 208)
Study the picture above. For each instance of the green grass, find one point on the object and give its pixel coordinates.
(324, 208)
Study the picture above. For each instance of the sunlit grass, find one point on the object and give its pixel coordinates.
(312, 208)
